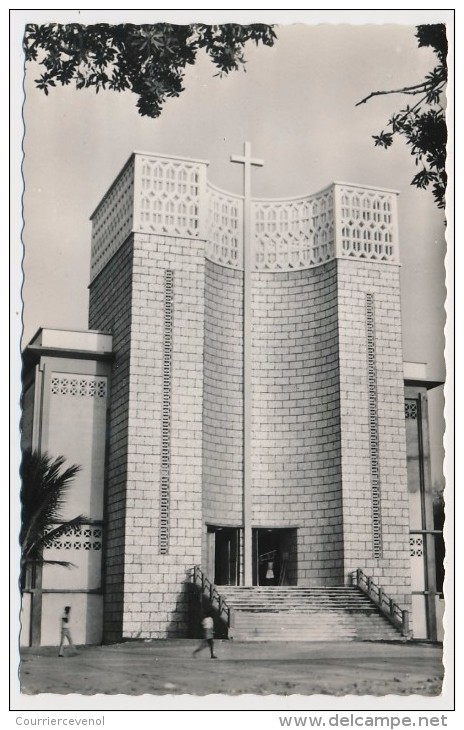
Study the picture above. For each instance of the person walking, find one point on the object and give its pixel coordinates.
(208, 635)
(66, 631)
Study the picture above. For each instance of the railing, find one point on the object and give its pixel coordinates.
(396, 615)
(216, 600)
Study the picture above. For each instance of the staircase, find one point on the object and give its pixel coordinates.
(291, 613)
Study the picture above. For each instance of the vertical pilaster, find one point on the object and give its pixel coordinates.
(163, 517)
(374, 475)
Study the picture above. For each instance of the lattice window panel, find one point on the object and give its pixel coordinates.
(373, 427)
(112, 221)
(80, 537)
(410, 409)
(78, 386)
(294, 234)
(224, 232)
(367, 224)
(168, 196)
(416, 547)
(165, 475)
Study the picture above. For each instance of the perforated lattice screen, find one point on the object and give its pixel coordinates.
(166, 412)
(373, 426)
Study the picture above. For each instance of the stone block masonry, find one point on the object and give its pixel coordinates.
(312, 465)
(154, 601)
(390, 567)
(296, 416)
(110, 309)
(223, 397)
(327, 443)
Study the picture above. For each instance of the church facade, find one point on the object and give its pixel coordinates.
(240, 403)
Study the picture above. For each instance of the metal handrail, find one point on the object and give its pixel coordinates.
(267, 556)
(393, 612)
(209, 589)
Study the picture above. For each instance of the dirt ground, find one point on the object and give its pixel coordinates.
(279, 668)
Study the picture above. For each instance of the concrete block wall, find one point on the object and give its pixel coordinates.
(110, 300)
(73, 424)
(155, 604)
(153, 598)
(391, 570)
(310, 445)
(296, 423)
(223, 397)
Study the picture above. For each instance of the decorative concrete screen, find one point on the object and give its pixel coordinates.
(80, 546)
(224, 228)
(113, 220)
(167, 195)
(367, 223)
(294, 234)
(171, 196)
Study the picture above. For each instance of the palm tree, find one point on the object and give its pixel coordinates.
(44, 488)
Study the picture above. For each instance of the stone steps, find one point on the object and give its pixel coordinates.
(290, 613)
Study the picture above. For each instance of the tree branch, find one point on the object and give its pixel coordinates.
(406, 90)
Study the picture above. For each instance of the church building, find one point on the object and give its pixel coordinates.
(241, 411)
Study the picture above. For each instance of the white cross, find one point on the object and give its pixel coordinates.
(247, 161)
(248, 264)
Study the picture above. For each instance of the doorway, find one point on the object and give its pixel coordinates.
(275, 557)
(224, 555)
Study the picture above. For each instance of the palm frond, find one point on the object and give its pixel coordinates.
(42, 540)
(42, 561)
(45, 483)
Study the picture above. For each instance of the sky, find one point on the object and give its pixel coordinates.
(296, 104)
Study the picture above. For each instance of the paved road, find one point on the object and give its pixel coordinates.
(282, 668)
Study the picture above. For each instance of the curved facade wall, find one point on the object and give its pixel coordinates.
(223, 396)
(296, 447)
(296, 415)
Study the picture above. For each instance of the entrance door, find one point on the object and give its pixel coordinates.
(226, 555)
(274, 556)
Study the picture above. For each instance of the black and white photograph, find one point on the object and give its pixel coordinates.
(234, 461)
